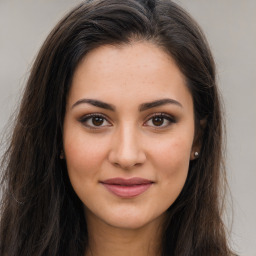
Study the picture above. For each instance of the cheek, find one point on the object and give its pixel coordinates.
(84, 160)
(83, 156)
(174, 151)
(172, 161)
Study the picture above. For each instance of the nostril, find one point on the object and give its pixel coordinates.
(125, 166)
(126, 156)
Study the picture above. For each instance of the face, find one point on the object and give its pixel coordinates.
(128, 134)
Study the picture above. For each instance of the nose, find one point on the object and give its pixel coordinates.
(126, 150)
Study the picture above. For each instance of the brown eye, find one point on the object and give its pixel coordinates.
(157, 120)
(97, 120)
(160, 121)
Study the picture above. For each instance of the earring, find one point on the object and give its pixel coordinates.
(196, 154)
(62, 154)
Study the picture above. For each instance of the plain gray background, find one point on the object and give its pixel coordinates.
(230, 26)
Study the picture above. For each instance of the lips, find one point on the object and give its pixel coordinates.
(127, 188)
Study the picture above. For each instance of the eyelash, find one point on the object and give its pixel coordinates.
(88, 117)
(170, 119)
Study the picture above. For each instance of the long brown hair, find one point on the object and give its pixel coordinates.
(40, 212)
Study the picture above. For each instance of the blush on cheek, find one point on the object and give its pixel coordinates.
(175, 164)
(174, 178)
(81, 148)
(174, 154)
(177, 172)
(83, 162)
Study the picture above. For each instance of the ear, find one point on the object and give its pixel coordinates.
(197, 143)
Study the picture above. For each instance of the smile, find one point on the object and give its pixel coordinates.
(127, 188)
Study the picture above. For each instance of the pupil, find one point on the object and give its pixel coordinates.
(157, 121)
(97, 121)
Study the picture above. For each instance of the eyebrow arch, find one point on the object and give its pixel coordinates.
(96, 103)
(142, 107)
(158, 103)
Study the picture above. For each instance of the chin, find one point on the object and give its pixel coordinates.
(132, 221)
(127, 224)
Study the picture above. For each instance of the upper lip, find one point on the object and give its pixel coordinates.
(127, 182)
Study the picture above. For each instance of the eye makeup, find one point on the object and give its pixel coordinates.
(160, 120)
(100, 121)
(95, 121)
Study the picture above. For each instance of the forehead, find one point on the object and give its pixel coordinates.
(138, 71)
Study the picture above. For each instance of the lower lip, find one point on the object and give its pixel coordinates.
(127, 191)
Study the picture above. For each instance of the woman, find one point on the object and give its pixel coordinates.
(117, 148)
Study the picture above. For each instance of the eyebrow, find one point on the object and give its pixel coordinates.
(142, 107)
(96, 103)
(158, 103)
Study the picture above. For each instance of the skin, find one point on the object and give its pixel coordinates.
(128, 142)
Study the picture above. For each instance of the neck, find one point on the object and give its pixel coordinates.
(112, 241)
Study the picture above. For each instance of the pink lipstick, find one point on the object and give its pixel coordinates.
(127, 188)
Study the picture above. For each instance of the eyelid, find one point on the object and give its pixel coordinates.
(86, 117)
(169, 117)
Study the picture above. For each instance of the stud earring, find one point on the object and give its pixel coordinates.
(196, 154)
(62, 154)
